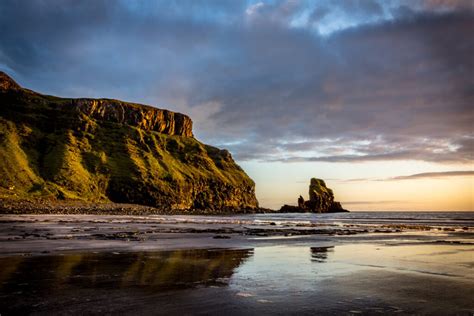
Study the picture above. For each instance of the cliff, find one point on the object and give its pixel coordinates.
(144, 117)
(321, 200)
(102, 150)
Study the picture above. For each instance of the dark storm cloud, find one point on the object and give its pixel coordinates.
(281, 81)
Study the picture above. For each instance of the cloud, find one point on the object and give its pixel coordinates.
(431, 175)
(447, 5)
(336, 81)
(371, 202)
(424, 175)
(253, 9)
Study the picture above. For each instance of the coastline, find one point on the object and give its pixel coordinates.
(43, 206)
(33, 233)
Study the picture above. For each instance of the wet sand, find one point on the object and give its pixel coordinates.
(86, 264)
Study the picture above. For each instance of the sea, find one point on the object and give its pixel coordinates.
(434, 219)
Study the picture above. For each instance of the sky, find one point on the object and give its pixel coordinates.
(374, 96)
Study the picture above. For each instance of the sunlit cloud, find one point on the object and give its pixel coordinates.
(435, 175)
(423, 175)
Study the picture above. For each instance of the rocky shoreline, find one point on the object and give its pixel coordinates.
(32, 234)
(8, 206)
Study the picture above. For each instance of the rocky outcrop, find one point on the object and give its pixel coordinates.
(102, 150)
(7, 83)
(144, 117)
(321, 200)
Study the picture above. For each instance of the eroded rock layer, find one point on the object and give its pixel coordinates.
(144, 117)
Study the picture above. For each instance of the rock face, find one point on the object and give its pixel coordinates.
(144, 117)
(7, 83)
(321, 200)
(102, 150)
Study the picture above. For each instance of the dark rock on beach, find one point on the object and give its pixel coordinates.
(321, 200)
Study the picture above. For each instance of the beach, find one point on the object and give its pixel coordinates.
(357, 263)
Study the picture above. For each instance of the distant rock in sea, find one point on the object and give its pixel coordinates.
(321, 200)
(103, 150)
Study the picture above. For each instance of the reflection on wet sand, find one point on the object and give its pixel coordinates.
(317, 279)
(320, 254)
(44, 277)
(359, 278)
(156, 270)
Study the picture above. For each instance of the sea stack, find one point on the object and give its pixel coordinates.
(321, 200)
(104, 150)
